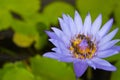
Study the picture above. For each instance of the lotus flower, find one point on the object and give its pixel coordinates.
(83, 44)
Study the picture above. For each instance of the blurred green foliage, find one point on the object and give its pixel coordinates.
(116, 75)
(29, 19)
(53, 69)
(39, 69)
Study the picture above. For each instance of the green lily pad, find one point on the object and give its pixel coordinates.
(23, 7)
(116, 74)
(51, 69)
(56, 9)
(18, 74)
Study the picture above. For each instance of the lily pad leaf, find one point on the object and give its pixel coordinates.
(18, 74)
(116, 74)
(56, 9)
(22, 40)
(51, 69)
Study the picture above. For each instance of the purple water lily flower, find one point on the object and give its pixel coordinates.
(84, 44)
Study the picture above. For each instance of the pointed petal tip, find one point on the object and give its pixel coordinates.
(51, 55)
(76, 12)
(59, 18)
(114, 68)
(111, 20)
(77, 15)
(87, 24)
(64, 15)
(117, 48)
(47, 32)
(116, 29)
(54, 29)
(45, 54)
(100, 16)
(80, 68)
(48, 54)
(88, 14)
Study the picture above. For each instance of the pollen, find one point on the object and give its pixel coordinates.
(82, 47)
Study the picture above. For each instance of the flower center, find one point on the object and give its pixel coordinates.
(82, 47)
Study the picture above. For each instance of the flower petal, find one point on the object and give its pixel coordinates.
(57, 43)
(61, 46)
(102, 64)
(107, 45)
(108, 37)
(57, 50)
(57, 31)
(63, 52)
(116, 48)
(68, 59)
(87, 24)
(52, 35)
(96, 25)
(72, 26)
(79, 68)
(90, 63)
(106, 53)
(61, 35)
(52, 55)
(60, 57)
(65, 27)
(65, 19)
(78, 22)
(105, 28)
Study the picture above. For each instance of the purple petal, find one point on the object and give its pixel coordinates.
(80, 68)
(52, 55)
(72, 26)
(78, 22)
(116, 48)
(61, 35)
(65, 28)
(107, 45)
(87, 24)
(106, 53)
(63, 52)
(68, 59)
(108, 37)
(60, 57)
(63, 48)
(65, 19)
(90, 63)
(96, 25)
(57, 31)
(57, 50)
(52, 35)
(106, 28)
(102, 64)
(57, 43)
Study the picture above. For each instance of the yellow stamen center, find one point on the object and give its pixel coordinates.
(82, 47)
